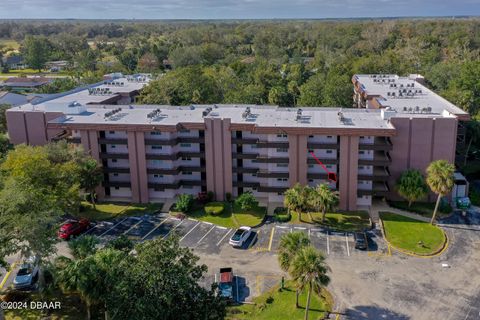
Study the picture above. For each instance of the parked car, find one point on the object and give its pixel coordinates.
(72, 228)
(361, 241)
(240, 236)
(27, 275)
(226, 283)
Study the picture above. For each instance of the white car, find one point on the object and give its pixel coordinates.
(27, 275)
(240, 236)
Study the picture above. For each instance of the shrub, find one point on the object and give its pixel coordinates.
(214, 208)
(282, 214)
(184, 202)
(246, 201)
(228, 196)
(210, 196)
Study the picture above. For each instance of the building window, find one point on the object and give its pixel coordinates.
(185, 145)
(114, 160)
(362, 137)
(311, 166)
(155, 133)
(282, 150)
(329, 137)
(156, 162)
(117, 188)
(157, 147)
(283, 135)
(184, 131)
(113, 146)
(310, 136)
(328, 166)
(187, 173)
(310, 180)
(254, 146)
(187, 187)
(282, 165)
(282, 179)
(361, 167)
(280, 193)
(254, 174)
(111, 132)
(361, 152)
(254, 161)
(115, 174)
(254, 188)
(329, 151)
(186, 159)
(310, 150)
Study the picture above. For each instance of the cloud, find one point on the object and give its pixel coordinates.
(205, 9)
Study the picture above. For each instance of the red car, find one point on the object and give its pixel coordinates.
(71, 228)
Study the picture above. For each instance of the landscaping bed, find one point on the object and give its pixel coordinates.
(341, 221)
(413, 236)
(422, 208)
(280, 304)
(110, 210)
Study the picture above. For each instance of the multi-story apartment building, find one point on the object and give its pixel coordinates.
(150, 153)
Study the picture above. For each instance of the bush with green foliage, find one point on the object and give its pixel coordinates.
(246, 201)
(228, 196)
(282, 214)
(210, 196)
(214, 208)
(184, 202)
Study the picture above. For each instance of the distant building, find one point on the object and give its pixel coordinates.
(56, 66)
(155, 152)
(13, 99)
(15, 62)
(22, 84)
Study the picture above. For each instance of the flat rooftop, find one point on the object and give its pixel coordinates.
(93, 94)
(264, 116)
(405, 95)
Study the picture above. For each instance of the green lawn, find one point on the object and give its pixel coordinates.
(342, 221)
(279, 305)
(227, 219)
(110, 210)
(412, 235)
(422, 208)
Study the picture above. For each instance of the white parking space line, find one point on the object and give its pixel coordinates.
(282, 227)
(136, 224)
(328, 244)
(112, 228)
(223, 228)
(218, 243)
(155, 228)
(190, 231)
(173, 229)
(309, 231)
(206, 234)
(348, 248)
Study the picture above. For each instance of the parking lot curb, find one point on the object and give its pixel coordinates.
(427, 256)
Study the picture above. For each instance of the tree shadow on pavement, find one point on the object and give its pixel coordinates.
(373, 312)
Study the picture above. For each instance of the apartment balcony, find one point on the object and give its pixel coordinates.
(323, 160)
(246, 184)
(112, 141)
(323, 176)
(107, 155)
(379, 174)
(175, 170)
(176, 185)
(250, 156)
(174, 156)
(75, 140)
(379, 143)
(379, 189)
(323, 145)
(380, 158)
(120, 184)
(245, 140)
(174, 141)
(244, 170)
(115, 170)
(271, 174)
(267, 159)
(271, 189)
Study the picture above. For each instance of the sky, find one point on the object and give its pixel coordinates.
(232, 9)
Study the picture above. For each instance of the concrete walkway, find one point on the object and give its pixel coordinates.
(167, 204)
(378, 206)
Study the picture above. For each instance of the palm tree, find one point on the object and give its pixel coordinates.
(411, 186)
(323, 199)
(440, 179)
(290, 245)
(293, 199)
(310, 270)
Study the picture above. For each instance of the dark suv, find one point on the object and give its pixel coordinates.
(361, 241)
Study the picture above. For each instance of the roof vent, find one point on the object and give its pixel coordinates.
(246, 113)
(112, 113)
(153, 114)
(299, 115)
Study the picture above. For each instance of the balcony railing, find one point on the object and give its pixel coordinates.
(115, 170)
(379, 174)
(380, 158)
(106, 155)
(271, 174)
(175, 170)
(379, 189)
(322, 145)
(174, 156)
(112, 141)
(176, 185)
(379, 143)
(120, 184)
(174, 141)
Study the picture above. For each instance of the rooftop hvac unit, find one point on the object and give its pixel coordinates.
(299, 115)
